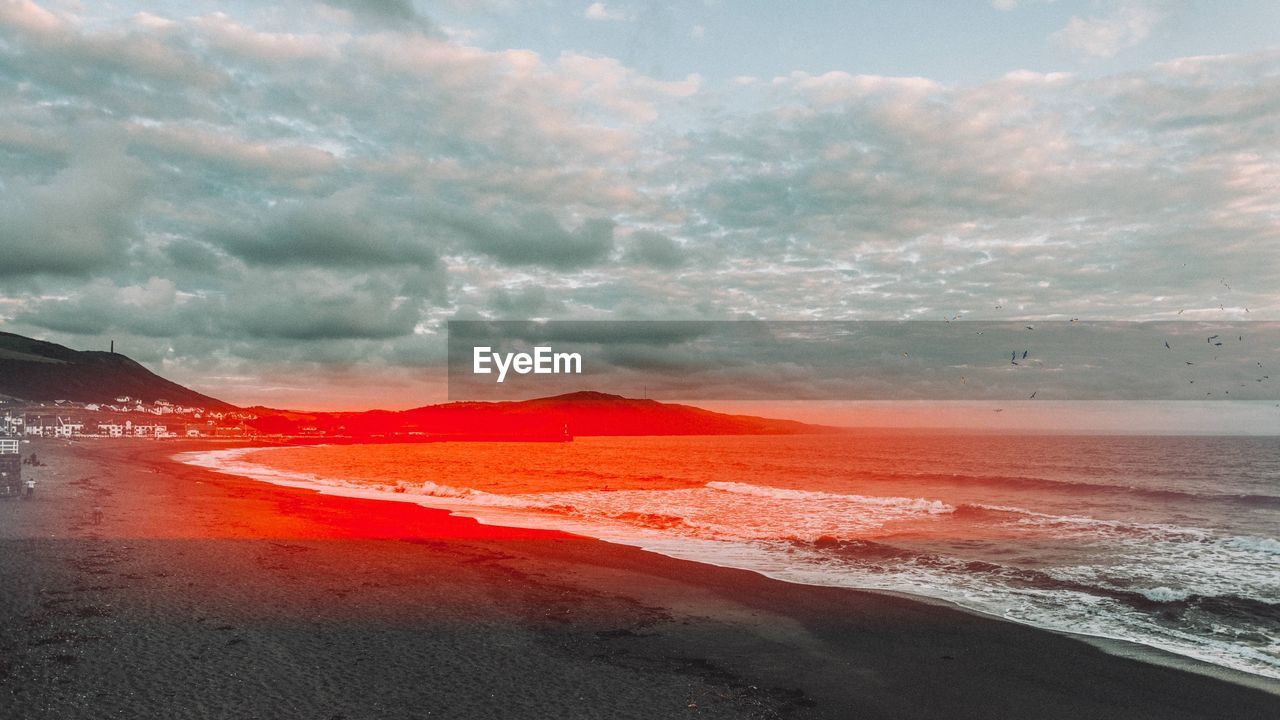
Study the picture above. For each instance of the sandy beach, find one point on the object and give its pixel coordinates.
(200, 595)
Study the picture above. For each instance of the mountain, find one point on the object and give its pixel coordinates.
(578, 414)
(38, 371)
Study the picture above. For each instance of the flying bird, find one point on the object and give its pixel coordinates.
(1024, 354)
(1033, 395)
(1166, 345)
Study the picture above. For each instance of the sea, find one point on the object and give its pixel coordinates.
(1170, 542)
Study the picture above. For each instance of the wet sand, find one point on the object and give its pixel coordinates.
(202, 595)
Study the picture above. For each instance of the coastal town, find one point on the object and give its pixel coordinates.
(126, 417)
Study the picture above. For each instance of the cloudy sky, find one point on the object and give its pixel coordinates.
(285, 204)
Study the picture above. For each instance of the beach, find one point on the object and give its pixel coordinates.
(205, 595)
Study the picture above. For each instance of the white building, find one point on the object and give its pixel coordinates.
(111, 430)
(68, 427)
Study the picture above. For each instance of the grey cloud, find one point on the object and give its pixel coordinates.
(654, 249)
(144, 148)
(383, 12)
(150, 309)
(317, 306)
(194, 256)
(525, 302)
(76, 222)
(135, 69)
(335, 232)
(536, 238)
(269, 306)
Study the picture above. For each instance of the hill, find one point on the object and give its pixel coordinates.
(580, 414)
(38, 371)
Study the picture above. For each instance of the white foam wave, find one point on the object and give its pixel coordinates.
(740, 524)
(934, 507)
(1165, 594)
(1268, 546)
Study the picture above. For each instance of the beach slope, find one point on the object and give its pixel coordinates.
(200, 595)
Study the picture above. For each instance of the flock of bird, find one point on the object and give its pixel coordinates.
(1215, 341)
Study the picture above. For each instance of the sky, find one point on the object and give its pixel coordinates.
(284, 205)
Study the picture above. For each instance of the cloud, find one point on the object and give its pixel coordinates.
(1102, 36)
(1007, 5)
(390, 13)
(339, 231)
(318, 305)
(654, 249)
(78, 221)
(538, 239)
(600, 11)
(307, 194)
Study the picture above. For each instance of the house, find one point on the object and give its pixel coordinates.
(10, 467)
(150, 431)
(40, 425)
(67, 427)
(111, 430)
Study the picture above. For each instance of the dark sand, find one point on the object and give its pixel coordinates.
(207, 596)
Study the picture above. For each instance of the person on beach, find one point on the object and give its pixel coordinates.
(31, 487)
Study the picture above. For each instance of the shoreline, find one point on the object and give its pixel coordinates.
(247, 598)
(498, 517)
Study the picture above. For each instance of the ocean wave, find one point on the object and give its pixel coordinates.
(1164, 594)
(1078, 524)
(1268, 546)
(933, 507)
(1029, 482)
(231, 461)
(1191, 590)
(1224, 600)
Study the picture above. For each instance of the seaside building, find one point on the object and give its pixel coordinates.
(114, 430)
(62, 426)
(40, 425)
(12, 424)
(10, 467)
(68, 427)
